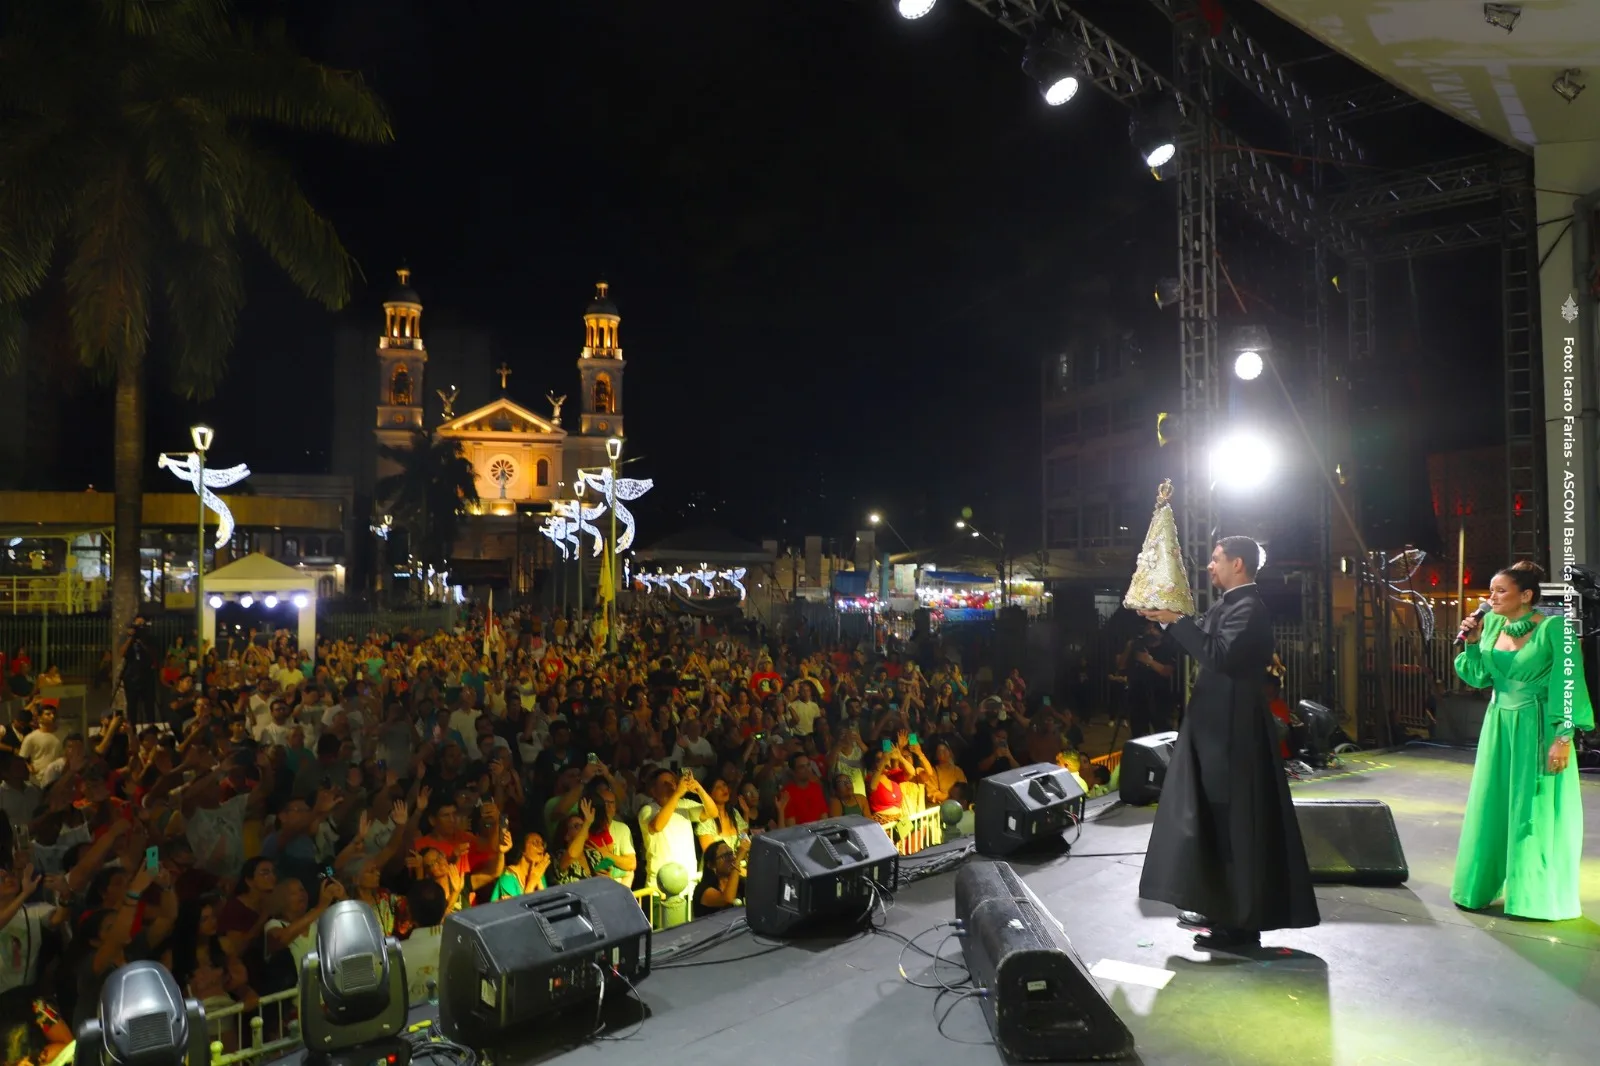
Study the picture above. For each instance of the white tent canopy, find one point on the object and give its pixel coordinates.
(258, 575)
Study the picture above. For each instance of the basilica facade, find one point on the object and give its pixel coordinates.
(525, 452)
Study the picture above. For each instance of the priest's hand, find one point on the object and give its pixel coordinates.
(1166, 618)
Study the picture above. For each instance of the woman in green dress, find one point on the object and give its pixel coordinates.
(1522, 833)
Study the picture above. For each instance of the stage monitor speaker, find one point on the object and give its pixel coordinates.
(520, 959)
(1023, 807)
(820, 873)
(1351, 842)
(1042, 1004)
(1144, 768)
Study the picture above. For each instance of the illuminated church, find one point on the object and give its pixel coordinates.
(522, 459)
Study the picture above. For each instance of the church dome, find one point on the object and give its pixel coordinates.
(603, 304)
(402, 292)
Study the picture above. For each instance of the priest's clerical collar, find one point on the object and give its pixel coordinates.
(1239, 588)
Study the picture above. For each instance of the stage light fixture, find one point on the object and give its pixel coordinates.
(1242, 461)
(1167, 291)
(144, 1020)
(1248, 366)
(1251, 345)
(1567, 85)
(1154, 132)
(300, 600)
(247, 601)
(1055, 67)
(353, 991)
(1502, 16)
(216, 603)
(270, 602)
(913, 9)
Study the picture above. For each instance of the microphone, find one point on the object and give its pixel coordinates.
(1475, 616)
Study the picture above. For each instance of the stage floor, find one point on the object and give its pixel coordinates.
(1393, 975)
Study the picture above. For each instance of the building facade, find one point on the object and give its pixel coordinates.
(522, 460)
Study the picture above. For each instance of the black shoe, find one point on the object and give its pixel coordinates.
(1193, 920)
(1231, 940)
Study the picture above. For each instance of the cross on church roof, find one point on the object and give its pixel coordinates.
(404, 274)
(504, 372)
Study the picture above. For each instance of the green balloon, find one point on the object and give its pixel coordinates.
(672, 878)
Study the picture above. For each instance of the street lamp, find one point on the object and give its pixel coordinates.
(200, 435)
(1000, 546)
(877, 519)
(578, 488)
(614, 453)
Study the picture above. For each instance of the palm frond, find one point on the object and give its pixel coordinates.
(256, 75)
(299, 240)
(191, 166)
(13, 336)
(205, 291)
(108, 274)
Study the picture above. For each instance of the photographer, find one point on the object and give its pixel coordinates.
(1150, 664)
(138, 678)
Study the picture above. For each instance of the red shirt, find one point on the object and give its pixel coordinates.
(807, 803)
(887, 796)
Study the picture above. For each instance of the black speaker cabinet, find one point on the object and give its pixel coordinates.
(1023, 807)
(1042, 1005)
(506, 963)
(1351, 842)
(1144, 768)
(818, 873)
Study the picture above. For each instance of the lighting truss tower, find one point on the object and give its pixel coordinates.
(1197, 306)
(1525, 533)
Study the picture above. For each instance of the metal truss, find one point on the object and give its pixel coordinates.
(1197, 317)
(1368, 102)
(1474, 179)
(1447, 238)
(1524, 405)
(1241, 56)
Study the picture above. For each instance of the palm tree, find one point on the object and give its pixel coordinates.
(130, 163)
(433, 488)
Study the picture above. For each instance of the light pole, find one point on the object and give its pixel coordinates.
(1000, 546)
(200, 435)
(578, 488)
(614, 453)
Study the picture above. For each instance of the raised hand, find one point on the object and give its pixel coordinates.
(398, 814)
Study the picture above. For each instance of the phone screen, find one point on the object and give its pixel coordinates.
(152, 859)
(913, 740)
(888, 746)
(593, 758)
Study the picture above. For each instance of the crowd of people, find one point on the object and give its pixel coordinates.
(210, 826)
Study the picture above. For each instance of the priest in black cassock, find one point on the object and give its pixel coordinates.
(1226, 848)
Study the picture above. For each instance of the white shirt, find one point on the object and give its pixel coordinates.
(21, 942)
(622, 841)
(805, 716)
(40, 749)
(675, 843)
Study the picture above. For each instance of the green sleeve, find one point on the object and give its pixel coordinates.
(1470, 666)
(1568, 707)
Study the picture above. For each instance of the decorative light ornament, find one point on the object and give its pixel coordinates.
(685, 581)
(187, 468)
(381, 529)
(625, 489)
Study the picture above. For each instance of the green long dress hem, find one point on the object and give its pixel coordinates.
(1522, 831)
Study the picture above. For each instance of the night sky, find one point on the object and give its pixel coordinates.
(842, 245)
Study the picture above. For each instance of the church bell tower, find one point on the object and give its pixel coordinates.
(402, 361)
(600, 368)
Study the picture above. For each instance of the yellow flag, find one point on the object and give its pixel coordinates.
(605, 592)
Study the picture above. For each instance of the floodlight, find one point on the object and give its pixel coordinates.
(1502, 16)
(1248, 366)
(216, 603)
(1055, 68)
(247, 600)
(914, 9)
(144, 1020)
(1154, 132)
(353, 990)
(1243, 461)
(300, 600)
(270, 602)
(1567, 85)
